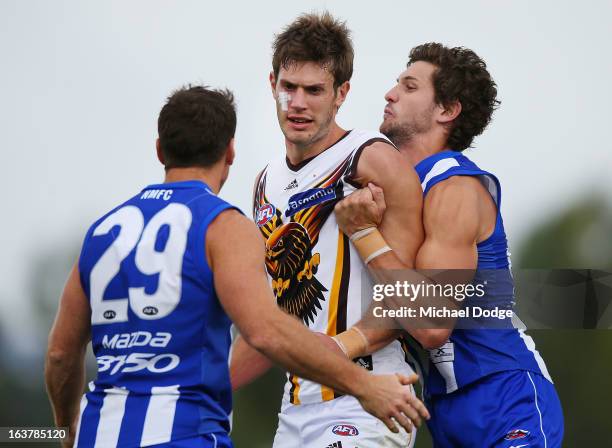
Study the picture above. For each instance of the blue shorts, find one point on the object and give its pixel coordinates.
(218, 440)
(504, 410)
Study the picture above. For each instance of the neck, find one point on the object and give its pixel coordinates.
(210, 176)
(298, 153)
(422, 146)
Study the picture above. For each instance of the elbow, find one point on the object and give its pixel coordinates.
(432, 339)
(56, 358)
(259, 338)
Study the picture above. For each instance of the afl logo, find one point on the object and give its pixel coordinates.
(109, 314)
(264, 214)
(150, 310)
(345, 430)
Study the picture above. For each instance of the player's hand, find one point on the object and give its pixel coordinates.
(361, 209)
(330, 343)
(390, 397)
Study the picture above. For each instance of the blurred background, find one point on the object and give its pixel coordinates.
(82, 83)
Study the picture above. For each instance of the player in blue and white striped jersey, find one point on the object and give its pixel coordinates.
(485, 387)
(155, 286)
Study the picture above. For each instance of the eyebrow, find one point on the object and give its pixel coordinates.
(407, 78)
(306, 86)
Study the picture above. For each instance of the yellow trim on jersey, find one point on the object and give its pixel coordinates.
(332, 316)
(296, 392)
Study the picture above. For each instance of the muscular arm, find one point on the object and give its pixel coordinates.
(65, 360)
(401, 224)
(248, 302)
(458, 213)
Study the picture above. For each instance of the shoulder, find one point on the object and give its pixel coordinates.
(231, 224)
(381, 162)
(453, 205)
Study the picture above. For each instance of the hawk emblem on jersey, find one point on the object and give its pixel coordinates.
(291, 259)
(292, 265)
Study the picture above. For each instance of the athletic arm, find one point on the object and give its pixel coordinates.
(249, 303)
(65, 359)
(452, 217)
(399, 221)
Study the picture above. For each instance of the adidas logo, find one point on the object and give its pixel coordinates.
(334, 445)
(292, 185)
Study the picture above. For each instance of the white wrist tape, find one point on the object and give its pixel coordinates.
(361, 233)
(375, 254)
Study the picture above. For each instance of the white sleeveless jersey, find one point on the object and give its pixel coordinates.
(315, 272)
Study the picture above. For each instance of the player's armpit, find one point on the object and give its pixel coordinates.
(65, 359)
(247, 364)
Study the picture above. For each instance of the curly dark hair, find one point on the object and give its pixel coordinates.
(315, 38)
(461, 75)
(195, 126)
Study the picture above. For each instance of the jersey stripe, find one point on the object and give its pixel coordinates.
(332, 319)
(160, 415)
(111, 416)
(82, 407)
(439, 167)
(295, 390)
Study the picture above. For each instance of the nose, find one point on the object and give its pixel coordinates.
(391, 95)
(298, 99)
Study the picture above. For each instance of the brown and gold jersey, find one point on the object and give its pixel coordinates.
(315, 273)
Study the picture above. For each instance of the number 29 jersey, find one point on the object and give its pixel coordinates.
(159, 334)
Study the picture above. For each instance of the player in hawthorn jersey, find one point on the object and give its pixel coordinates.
(487, 386)
(155, 286)
(314, 271)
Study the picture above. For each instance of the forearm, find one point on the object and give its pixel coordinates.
(65, 380)
(293, 346)
(247, 364)
(430, 332)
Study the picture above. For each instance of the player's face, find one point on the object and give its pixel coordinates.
(312, 103)
(411, 108)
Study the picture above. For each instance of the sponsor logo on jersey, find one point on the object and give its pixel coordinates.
(308, 198)
(345, 430)
(516, 434)
(293, 184)
(337, 444)
(136, 339)
(109, 314)
(135, 362)
(264, 214)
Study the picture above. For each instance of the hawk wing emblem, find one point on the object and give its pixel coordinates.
(290, 260)
(292, 266)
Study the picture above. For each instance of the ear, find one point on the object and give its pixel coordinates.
(450, 112)
(273, 84)
(230, 154)
(160, 154)
(341, 93)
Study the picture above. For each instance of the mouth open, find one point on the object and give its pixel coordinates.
(300, 120)
(299, 123)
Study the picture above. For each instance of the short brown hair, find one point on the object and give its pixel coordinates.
(316, 38)
(195, 126)
(461, 75)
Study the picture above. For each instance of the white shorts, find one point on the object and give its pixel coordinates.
(339, 423)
